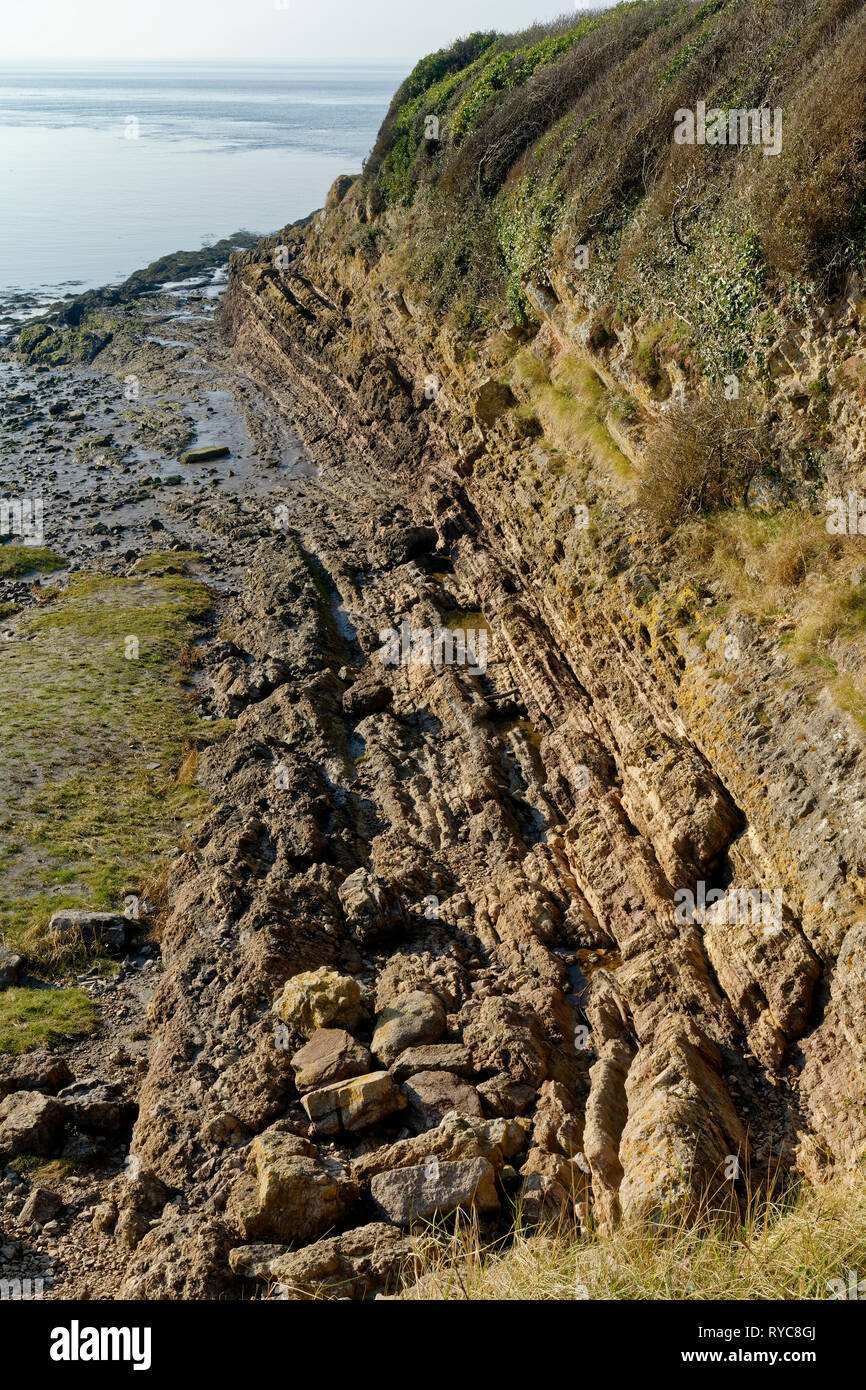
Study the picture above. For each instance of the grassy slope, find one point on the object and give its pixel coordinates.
(91, 797)
(560, 138)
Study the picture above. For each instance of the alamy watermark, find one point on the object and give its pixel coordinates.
(735, 126)
(22, 517)
(443, 646)
(21, 1290)
(730, 907)
(854, 1288)
(847, 515)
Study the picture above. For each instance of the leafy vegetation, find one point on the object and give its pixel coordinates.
(563, 135)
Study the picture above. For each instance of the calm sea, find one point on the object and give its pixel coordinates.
(104, 167)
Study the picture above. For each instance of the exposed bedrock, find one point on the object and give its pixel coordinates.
(481, 870)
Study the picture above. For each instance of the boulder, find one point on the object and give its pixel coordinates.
(289, 1193)
(505, 1035)
(330, 1056)
(548, 1193)
(320, 999)
(205, 453)
(33, 1071)
(354, 1104)
(104, 1218)
(98, 1106)
(183, 1259)
(106, 929)
(457, 1137)
(433, 1094)
(412, 1019)
(41, 1206)
(130, 1229)
(373, 911)
(502, 1096)
(405, 1195)
(10, 964)
(361, 1263)
(453, 1057)
(30, 1123)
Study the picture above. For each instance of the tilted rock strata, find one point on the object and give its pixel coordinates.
(433, 833)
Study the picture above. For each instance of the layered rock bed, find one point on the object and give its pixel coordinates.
(426, 952)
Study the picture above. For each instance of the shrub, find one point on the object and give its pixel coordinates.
(646, 359)
(702, 457)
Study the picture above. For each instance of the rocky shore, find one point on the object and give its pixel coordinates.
(564, 921)
(359, 878)
(423, 952)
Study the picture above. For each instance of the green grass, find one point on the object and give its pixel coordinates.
(31, 1018)
(90, 800)
(571, 405)
(16, 560)
(167, 561)
(809, 580)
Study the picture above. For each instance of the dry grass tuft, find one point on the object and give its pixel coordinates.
(787, 1246)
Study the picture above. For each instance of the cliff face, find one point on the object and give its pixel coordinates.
(666, 713)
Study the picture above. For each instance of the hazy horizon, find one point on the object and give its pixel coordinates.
(336, 32)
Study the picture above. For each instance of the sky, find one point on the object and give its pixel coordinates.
(340, 31)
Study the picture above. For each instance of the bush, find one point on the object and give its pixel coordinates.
(646, 360)
(703, 456)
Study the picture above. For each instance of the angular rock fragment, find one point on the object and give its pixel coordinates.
(373, 911)
(331, 1055)
(453, 1057)
(41, 1206)
(506, 1034)
(98, 1106)
(502, 1096)
(107, 929)
(289, 1192)
(205, 453)
(33, 1071)
(30, 1123)
(354, 1104)
(9, 966)
(405, 1195)
(457, 1137)
(320, 998)
(362, 1262)
(414, 1018)
(433, 1094)
(104, 1218)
